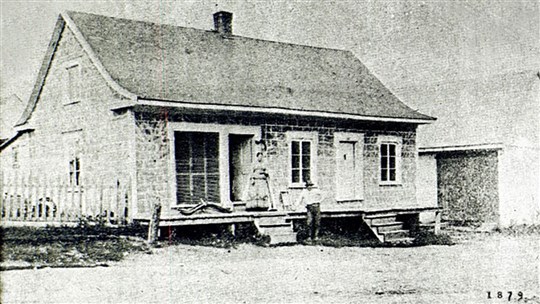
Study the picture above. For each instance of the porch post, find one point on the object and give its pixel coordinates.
(153, 226)
(224, 170)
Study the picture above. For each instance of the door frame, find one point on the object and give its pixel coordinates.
(358, 140)
(224, 131)
(242, 183)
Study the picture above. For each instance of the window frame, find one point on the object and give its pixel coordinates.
(302, 136)
(70, 96)
(74, 171)
(224, 131)
(72, 141)
(15, 157)
(390, 140)
(205, 163)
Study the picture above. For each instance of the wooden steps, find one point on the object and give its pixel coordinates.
(388, 228)
(278, 228)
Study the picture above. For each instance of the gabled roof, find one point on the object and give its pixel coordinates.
(184, 65)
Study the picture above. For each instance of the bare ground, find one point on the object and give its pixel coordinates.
(462, 273)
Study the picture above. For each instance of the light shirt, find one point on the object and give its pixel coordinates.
(310, 196)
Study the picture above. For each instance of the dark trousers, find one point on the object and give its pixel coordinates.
(314, 220)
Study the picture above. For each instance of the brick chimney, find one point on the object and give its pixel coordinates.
(223, 23)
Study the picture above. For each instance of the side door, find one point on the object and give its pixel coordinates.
(349, 166)
(346, 168)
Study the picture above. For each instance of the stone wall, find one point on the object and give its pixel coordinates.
(375, 195)
(102, 139)
(468, 186)
(153, 156)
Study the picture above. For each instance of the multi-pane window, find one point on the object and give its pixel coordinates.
(72, 148)
(73, 83)
(15, 158)
(302, 157)
(390, 159)
(300, 161)
(388, 162)
(75, 171)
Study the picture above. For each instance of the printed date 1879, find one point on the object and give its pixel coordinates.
(505, 295)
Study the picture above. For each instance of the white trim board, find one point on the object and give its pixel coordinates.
(493, 146)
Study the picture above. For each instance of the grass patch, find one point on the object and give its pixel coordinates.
(424, 238)
(517, 230)
(214, 236)
(346, 232)
(69, 246)
(351, 232)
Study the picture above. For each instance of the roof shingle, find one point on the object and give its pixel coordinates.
(174, 63)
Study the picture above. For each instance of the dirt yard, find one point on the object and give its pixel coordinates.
(463, 273)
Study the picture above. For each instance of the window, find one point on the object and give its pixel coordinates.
(75, 172)
(72, 147)
(388, 162)
(15, 154)
(302, 153)
(390, 156)
(300, 161)
(73, 83)
(197, 167)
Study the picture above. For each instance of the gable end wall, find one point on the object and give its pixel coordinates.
(106, 139)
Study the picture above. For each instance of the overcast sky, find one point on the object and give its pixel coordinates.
(404, 42)
(409, 45)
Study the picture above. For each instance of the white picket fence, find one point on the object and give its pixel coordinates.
(42, 199)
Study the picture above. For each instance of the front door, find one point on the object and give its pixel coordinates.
(240, 159)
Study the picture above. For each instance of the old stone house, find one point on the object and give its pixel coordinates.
(178, 114)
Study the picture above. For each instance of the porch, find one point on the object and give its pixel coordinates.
(387, 225)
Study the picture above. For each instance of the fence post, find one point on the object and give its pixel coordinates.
(153, 227)
(2, 185)
(102, 217)
(117, 201)
(437, 228)
(82, 214)
(55, 197)
(10, 197)
(63, 206)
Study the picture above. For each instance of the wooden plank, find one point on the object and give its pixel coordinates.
(36, 224)
(402, 210)
(102, 216)
(80, 192)
(56, 199)
(153, 228)
(166, 223)
(437, 228)
(31, 184)
(8, 192)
